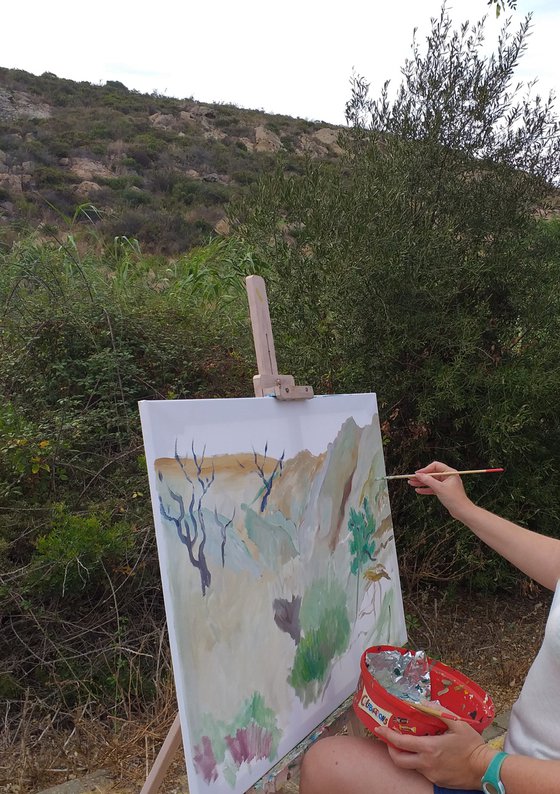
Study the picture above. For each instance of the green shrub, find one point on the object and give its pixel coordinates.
(46, 176)
(119, 183)
(78, 551)
(24, 455)
(136, 197)
(185, 190)
(211, 193)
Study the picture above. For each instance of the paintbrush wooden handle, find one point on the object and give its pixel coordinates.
(433, 712)
(442, 473)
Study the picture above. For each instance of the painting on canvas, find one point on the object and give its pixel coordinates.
(278, 567)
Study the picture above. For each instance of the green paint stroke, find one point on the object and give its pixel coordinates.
(326, 633)
(216, 730)
(362, 543)
(383, 620)
(255, 710)
(271, 536)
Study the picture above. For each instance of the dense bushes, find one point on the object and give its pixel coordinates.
(84, 337)
(418, 267)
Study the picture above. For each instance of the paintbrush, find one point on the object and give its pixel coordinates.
(440, 474)
(433, 712)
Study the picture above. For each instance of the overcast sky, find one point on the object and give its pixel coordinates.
(293, 57)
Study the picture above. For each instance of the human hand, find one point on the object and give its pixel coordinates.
(449, 490)
(455, 759)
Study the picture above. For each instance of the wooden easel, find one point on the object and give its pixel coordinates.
(283, 387)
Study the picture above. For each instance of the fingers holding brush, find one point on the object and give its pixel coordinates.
(438, 479)
(427, 484)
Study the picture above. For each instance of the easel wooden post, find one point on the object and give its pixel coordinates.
(268, 381)
(283, 387)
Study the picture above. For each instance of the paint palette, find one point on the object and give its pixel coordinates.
(375, 706)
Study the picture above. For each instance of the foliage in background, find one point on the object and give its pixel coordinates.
(420, 266)
(84, 336)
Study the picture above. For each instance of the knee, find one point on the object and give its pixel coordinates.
(318, 772)
(347, 765)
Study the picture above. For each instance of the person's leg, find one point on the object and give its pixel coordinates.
(351, 765)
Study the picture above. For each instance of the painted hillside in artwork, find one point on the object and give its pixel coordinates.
(281, 570)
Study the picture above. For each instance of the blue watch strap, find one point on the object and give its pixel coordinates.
(491, 781)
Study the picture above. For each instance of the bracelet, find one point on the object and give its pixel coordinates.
(491, 781)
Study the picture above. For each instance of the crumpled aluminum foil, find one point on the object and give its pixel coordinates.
(404, 675)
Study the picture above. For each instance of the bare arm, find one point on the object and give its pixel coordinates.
(521, 774)
(536, 555)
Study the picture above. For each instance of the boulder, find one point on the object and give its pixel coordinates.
(12, 182)
(86, 188)
(18, 104)
(329, 137)
(266, 140)
(88, 169)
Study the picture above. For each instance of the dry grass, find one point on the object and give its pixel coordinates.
(39, 747)
(492, 639)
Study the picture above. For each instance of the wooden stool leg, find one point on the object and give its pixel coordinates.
(164, 759)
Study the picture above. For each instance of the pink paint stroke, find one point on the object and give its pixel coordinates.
(205, 761)
(250, 743)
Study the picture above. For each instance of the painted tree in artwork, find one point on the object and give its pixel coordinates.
(224, 525)
(267, 480)
(190, 522)
(325, 633)
(362, 543)
(361, 526)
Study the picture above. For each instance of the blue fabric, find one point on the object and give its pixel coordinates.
(440, 790)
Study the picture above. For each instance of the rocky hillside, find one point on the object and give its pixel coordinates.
(155, 168)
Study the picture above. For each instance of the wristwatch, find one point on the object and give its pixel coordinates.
(491, 782)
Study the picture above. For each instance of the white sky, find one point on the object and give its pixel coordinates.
(293, 56)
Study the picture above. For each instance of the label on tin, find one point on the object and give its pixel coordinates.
(375, 712)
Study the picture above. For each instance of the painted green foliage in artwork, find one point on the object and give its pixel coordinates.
(326, 631)
(362, 543)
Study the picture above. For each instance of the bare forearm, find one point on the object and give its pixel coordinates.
(522, 775)
(519, 773)
(536, 555)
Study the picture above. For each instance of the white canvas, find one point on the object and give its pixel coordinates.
(278, 566)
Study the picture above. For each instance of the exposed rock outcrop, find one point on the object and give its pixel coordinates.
(18, 104)
(89, 169)
(266, 140)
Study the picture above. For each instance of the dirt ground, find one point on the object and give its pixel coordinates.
(491, 638)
